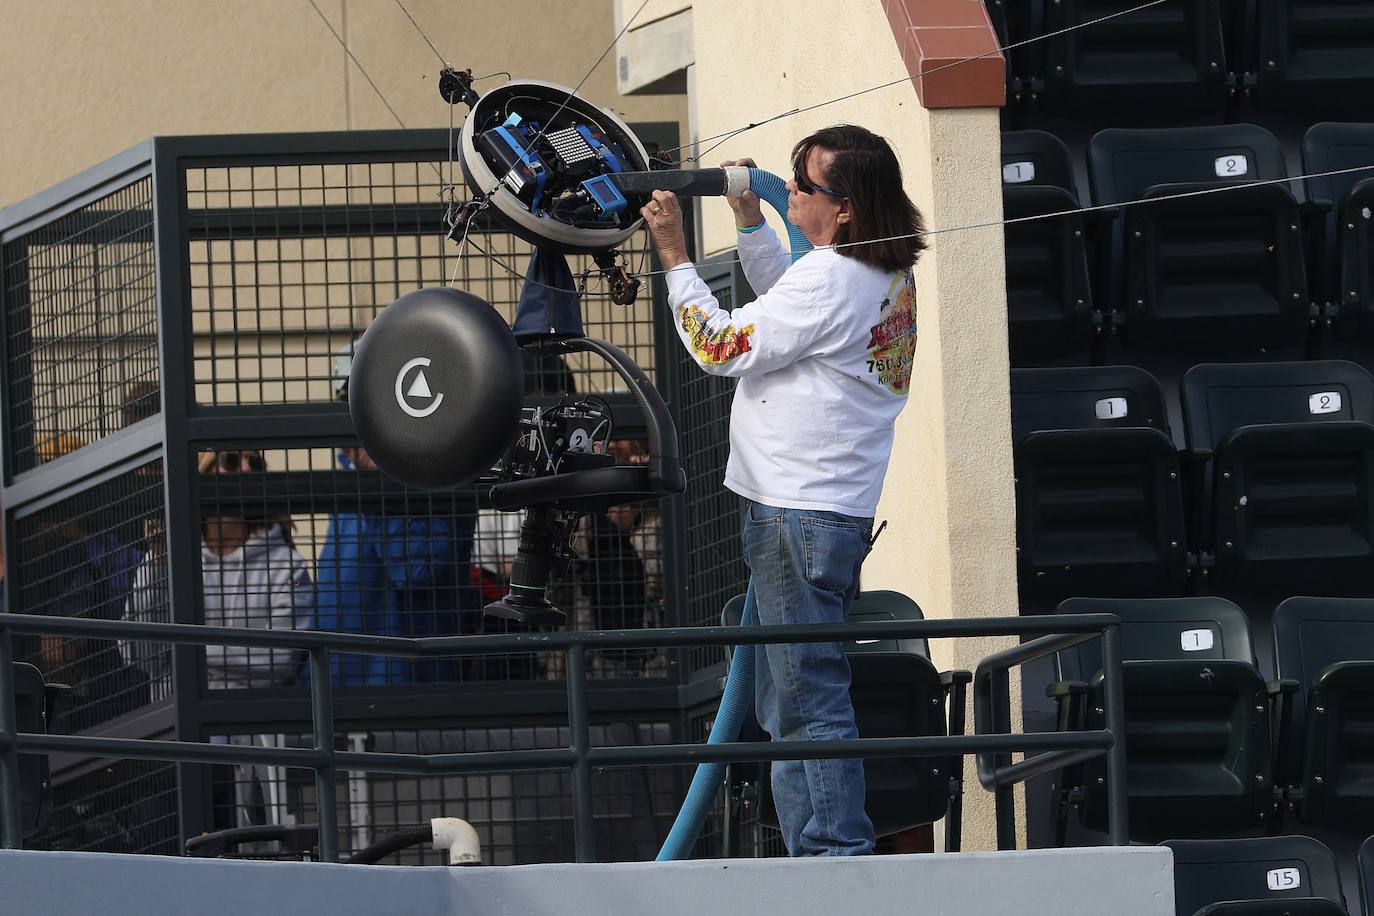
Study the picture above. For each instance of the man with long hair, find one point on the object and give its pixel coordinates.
(824, 357)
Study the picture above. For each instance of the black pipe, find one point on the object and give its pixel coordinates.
(683, 182)
(392, 842)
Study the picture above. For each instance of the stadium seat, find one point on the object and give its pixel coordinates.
(1365, 861)
(1282, 482)
(1099, 502)
(1325, 646)
(1197, 720)
(897, 692)
(1049, 302)
(1340, 253)
(1209, 273)
(1164, 62)
(1261, 876)
(31, 703)
(1314, 57)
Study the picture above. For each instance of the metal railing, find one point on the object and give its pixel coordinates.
(991, 710)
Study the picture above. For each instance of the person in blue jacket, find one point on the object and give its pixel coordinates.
(386, 575)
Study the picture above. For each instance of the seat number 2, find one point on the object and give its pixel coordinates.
(1324, 402)
(1233, 166)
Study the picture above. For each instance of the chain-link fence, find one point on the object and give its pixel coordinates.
(177, 325)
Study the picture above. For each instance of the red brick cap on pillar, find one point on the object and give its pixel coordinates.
(932, 34)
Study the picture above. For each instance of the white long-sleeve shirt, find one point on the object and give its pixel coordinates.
(265, 584)
(824, 357)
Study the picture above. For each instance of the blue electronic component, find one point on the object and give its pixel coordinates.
(607, 196)
(602, 150)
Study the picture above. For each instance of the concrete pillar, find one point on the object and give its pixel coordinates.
(948, 498)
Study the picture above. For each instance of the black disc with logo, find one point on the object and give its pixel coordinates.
(436, 388)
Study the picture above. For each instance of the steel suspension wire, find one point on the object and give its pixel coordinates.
(422, 33)
(363, 70)
(586, 76)
(722, 137)
(726, 135)
(1095, 208)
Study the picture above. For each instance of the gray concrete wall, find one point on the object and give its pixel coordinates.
(1134, 881)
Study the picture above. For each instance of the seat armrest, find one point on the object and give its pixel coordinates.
(1057, 690)
(1068, 702)
(1281, 694)
(955, 684)
(958, 676)
(1285, 686)
(1315, 207)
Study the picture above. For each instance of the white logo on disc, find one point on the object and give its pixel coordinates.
(419, 388)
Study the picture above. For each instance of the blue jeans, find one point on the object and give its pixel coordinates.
(805, 569)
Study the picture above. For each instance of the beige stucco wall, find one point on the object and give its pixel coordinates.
(948, 498)
(85, 79)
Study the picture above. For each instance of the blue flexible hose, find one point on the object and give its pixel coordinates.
(739, 693)
(739, 683)
(773, 189)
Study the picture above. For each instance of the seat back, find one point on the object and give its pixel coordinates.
(1288, 868)
(1315, 56)
(1217, 272)
(1203, 628)
(1049, 300)
(1220, 397)
(1197, 730)
(1036, 157)
(1327, 646)
(1176, 68)
(30, 707)
(1365, 862)
(1099, 504)
(1342, 258)
(1333, 147)
(1286, 501)
(896, 692)
(1124, 164)
(1097, 397)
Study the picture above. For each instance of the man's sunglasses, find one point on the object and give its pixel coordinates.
(232, 462)
(807, 186)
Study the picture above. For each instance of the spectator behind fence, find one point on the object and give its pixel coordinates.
(251, 576)
(80, 567)
(393, 576)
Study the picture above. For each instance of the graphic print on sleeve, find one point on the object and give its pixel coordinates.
(714, 347)
(892, 341)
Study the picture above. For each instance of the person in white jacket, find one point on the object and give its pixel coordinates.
(824, 359)
(252, 576)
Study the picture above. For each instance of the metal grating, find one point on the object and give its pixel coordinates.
(80, 304)
(521, 817)
(127, 806)
(312, 538)
(289, 263)
(713, 565)
(94, 555)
